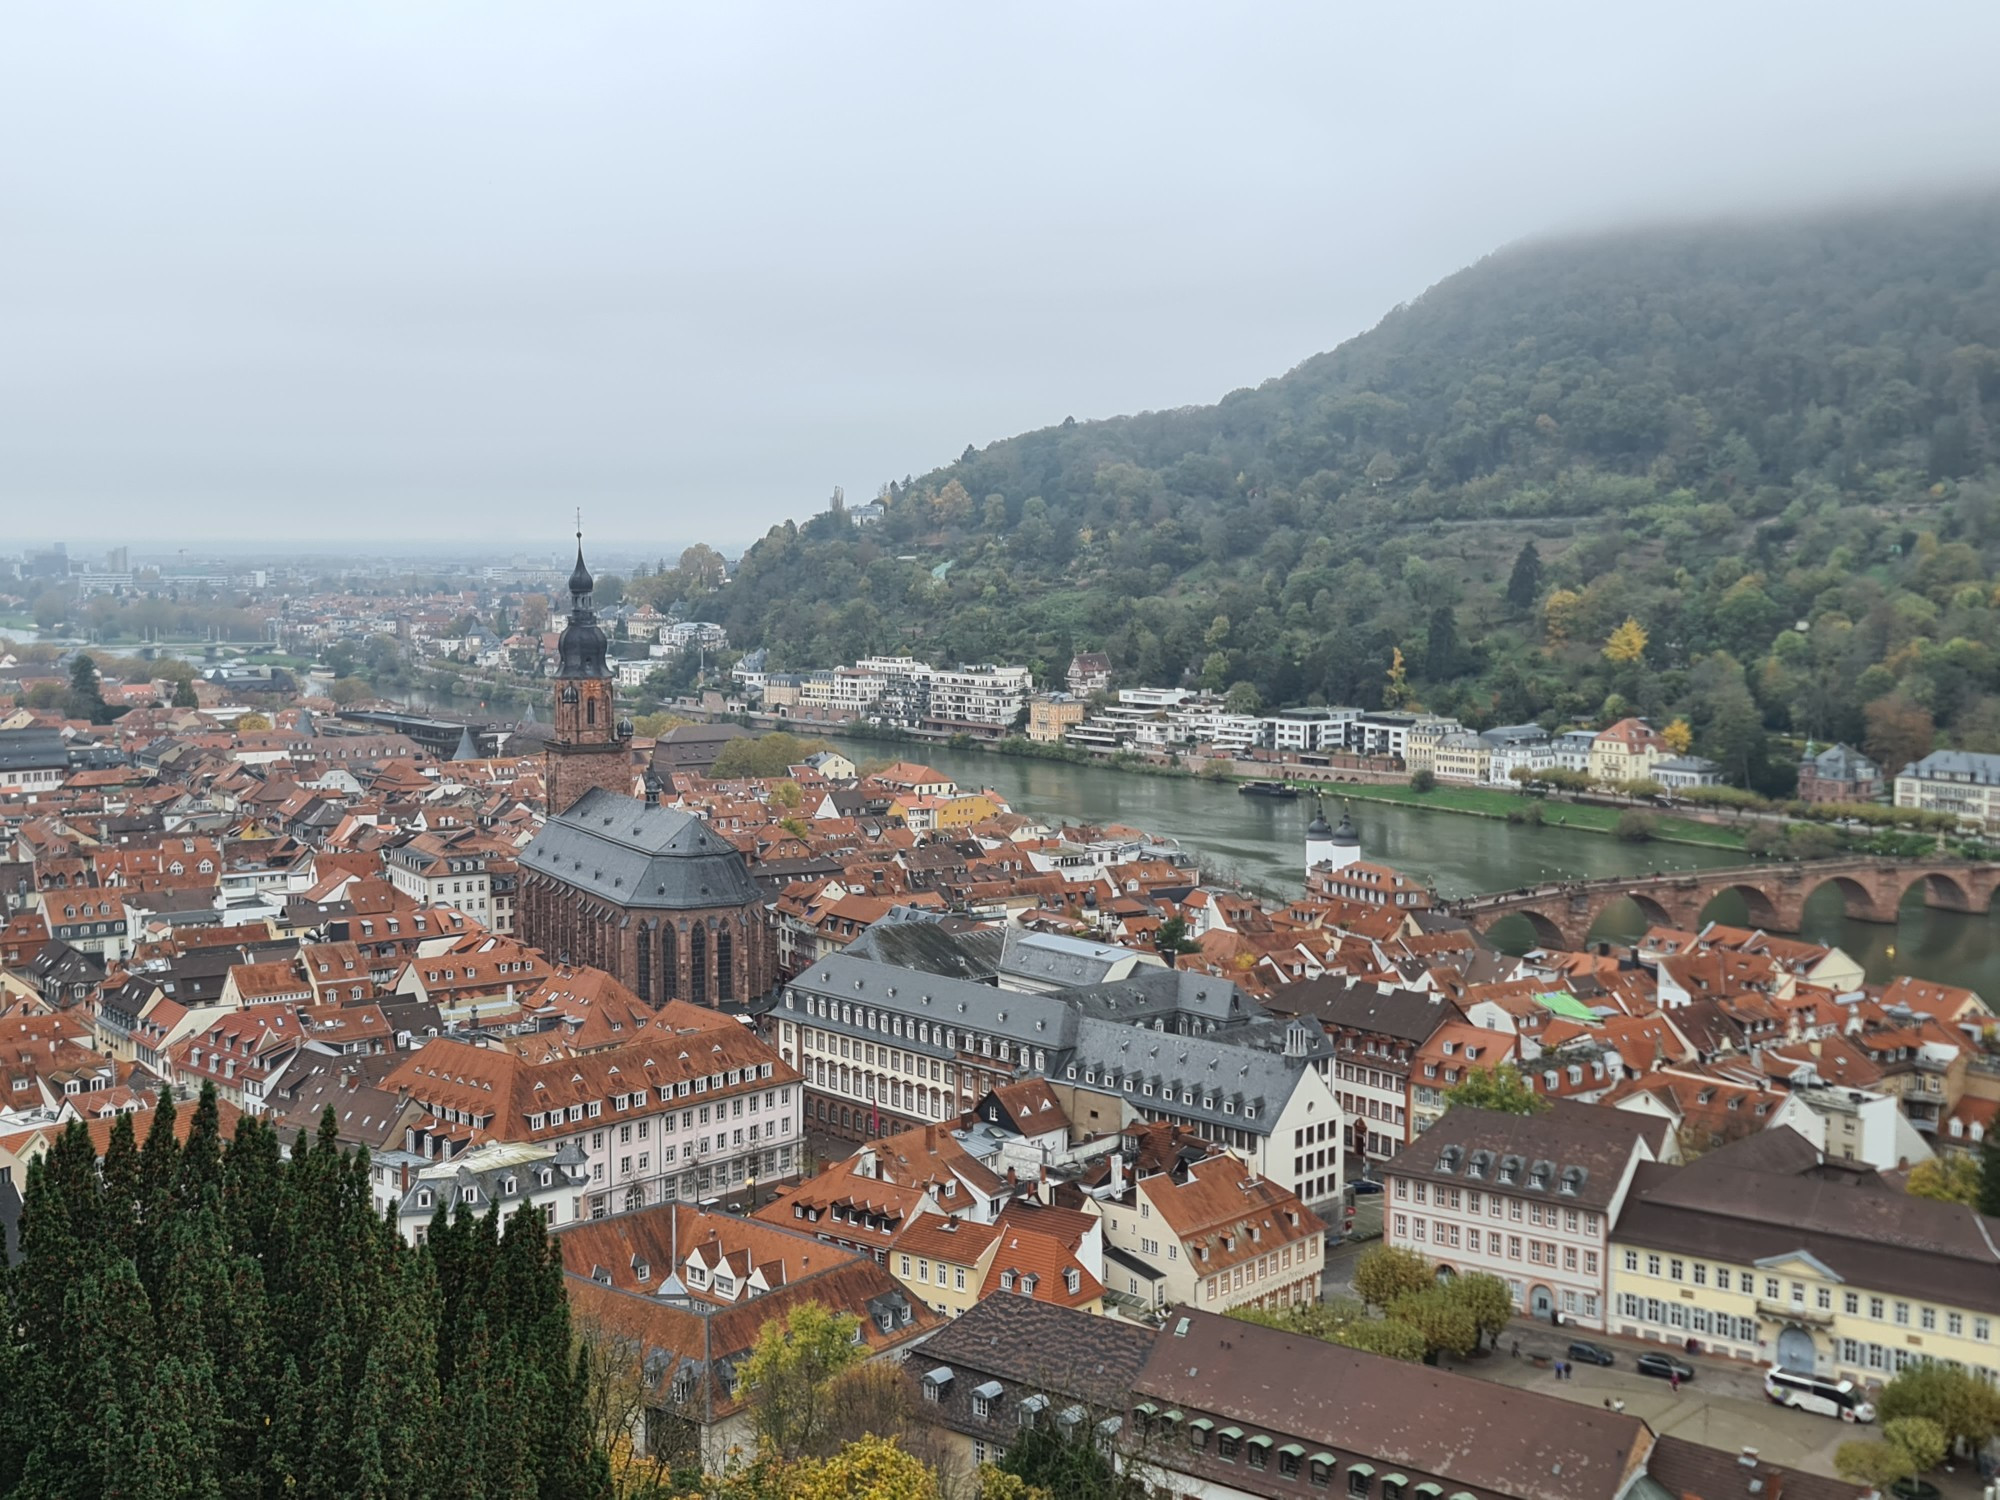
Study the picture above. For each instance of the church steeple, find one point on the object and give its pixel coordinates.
(590, 739)
(581, 651)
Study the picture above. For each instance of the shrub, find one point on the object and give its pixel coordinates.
(1424, 780)
(1635, 827)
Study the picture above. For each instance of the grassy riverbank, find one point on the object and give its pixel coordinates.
(1586, 816)
(1479, 802)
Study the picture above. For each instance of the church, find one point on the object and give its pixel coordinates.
(652, 896)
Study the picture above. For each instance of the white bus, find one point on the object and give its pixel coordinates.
(1825, 1398)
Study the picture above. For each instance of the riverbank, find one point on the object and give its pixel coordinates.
(1472, 801)
(1585, 817)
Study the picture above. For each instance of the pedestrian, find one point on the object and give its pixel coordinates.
(1674, 1381)
(1517, 1348)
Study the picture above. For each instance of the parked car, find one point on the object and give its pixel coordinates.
(1664, 1366)
(1365, 1185)
(1585, 1352)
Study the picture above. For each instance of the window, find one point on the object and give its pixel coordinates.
(1631, 1260)
(1652, 1265)
(1903, 1314)
(1358, 1477)
(1851, 1303)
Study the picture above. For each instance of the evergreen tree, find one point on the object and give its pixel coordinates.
(120, 1189)
(1989, 1174)
(204, 1322)
(1525, 586)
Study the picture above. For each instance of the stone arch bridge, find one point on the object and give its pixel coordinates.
(1872, 890)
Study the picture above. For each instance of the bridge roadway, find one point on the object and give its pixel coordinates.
(1872, 889)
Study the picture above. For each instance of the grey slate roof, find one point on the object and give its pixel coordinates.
(1957, 765)
(1574, 1154)
(1216, 1080)
(635, 854)
(1409, 1015)
(946, 1002)
(909, 939)
(1843, 763)
(1052, 957)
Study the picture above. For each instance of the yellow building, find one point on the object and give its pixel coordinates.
(1626, 752)
(968, 809)
(1049, 717)
(1768, 1251)
(943, 1261)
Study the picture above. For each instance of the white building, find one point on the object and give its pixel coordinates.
(1530, 1199)
(1960, 782)
(983, 697)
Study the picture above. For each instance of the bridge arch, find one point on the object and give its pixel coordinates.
(1759, 910)
(1859, 903)
(1548, 933)
(1947, 890)
(1651, 912)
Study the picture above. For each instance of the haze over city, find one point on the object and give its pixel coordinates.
(380, 275)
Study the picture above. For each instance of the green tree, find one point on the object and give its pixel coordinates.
(1243, 698)
(1878, 1465)
(1635, 827)
(1500, 1087)
(790, 1374)
(1486, 1301)
(1949, 1179)
(86, 693)
(1989, 1175)
(184, 695)
(1386, 1273)
(765, 755)
(1069, 1464)
(1172, 937)
(1423, 779)
(1921, 1440)
(1445, 1324)
(1524, 586)
(1344, 1322)
(1965, 1408)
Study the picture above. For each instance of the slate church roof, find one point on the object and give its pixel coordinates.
(634, 854)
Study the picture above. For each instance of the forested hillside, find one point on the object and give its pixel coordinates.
(1770, 444)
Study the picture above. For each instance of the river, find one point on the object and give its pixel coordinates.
(1260, 842)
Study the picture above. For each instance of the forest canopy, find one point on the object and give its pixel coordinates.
(1742, 474)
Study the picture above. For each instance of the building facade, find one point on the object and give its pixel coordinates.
(652, 896)
(1527, 1198)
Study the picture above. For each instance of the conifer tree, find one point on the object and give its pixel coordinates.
(213, 1322)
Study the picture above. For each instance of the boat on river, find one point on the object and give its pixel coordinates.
(1267, 789)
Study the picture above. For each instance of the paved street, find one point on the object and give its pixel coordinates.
(1723, 1406)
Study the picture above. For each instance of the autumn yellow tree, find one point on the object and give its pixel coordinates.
(1627, 642)
(1679, 737)
(872, 1469)
(1559, 614)
(252, 723)
(1396, 694)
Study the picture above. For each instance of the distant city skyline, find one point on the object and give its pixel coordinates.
(372, 272)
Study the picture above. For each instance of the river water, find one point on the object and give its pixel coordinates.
(1260, 842)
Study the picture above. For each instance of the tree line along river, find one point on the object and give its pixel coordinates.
(1259, 842)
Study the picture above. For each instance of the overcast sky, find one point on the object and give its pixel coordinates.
(430, 270)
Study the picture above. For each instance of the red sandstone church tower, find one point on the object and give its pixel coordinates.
(590, 744)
